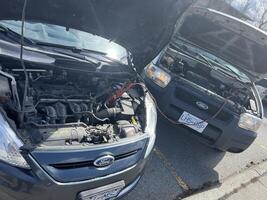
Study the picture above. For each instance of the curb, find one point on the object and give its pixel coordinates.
(232, 184)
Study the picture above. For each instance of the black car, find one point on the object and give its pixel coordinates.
(76, 122)
(204, 79)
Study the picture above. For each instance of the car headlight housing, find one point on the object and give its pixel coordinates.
(151, 123)
(10, 146)
(157, 75)
(249, 122)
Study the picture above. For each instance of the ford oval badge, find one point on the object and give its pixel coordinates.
(202, 105)
(104, 161)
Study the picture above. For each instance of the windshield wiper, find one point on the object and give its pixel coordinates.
(62, 55)
(75, 51)
(71, 48)
(236, 75)
(13, 35)
(177, 47)
(206, 60)
(230, 70)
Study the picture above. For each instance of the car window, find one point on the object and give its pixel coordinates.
(69, 37)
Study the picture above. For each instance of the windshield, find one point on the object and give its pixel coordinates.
(222, 64)
(54, 34)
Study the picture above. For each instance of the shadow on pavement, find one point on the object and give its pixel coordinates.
(178, 161)
(194, 162)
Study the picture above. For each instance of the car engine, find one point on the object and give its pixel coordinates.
(65, 107)
(213, 80)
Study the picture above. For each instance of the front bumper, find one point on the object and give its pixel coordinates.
(18, 184)
(223, 134)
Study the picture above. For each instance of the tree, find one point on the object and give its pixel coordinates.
(252, 11)
(255, 9)
(263, 20)
(246, 6)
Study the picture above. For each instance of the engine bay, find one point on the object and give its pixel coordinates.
(214, 80)
(65, 107)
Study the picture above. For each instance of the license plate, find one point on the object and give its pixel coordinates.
(193, 122)
(107, 192)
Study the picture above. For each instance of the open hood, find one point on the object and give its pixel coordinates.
(143, 27)
(227, 37)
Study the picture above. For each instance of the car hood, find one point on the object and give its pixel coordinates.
(227, 37)
(143, 27)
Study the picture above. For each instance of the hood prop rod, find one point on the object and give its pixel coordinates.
(25, 95)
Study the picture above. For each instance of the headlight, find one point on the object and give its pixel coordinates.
(151, 123)
(9, 146)
(159, 76)
(249, 122)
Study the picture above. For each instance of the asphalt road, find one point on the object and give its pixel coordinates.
(181, 164)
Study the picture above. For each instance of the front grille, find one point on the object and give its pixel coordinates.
(191, 99)
(78, 165)
(90, 163)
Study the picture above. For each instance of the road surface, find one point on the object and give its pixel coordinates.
(180, 164)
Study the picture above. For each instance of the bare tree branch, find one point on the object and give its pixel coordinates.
(247, 6)
(263, 20)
